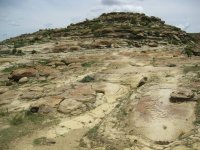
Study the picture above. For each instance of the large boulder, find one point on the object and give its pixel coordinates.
(71, 106)
(181, 95)
(17, 74)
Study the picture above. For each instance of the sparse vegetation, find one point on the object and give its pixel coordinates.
(10, 69)
(22, 123)
(188, 50)
(40, 141)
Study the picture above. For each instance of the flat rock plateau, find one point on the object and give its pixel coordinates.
(122, 81)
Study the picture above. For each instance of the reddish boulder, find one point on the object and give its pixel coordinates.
(17, 74)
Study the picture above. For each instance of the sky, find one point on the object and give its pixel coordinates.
(27, 16)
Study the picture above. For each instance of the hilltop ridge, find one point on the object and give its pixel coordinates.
(120, 29)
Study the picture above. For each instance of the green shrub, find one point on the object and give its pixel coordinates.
(96, 26)
(188, 50)
(33, 52)
(19, 43)
(87, 64)
(17, 119)
(100, 32)
(87, 79)
(14, 51)
(20, 53)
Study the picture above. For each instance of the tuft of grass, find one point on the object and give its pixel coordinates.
(87, 64)
(40, 141)
(10, 69)
(92, 133)
(26, 116)
(17, 120)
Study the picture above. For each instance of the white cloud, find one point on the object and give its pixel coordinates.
(14, 23)
(111, 2)
(127, 8)
(118, 6)
(184, 26)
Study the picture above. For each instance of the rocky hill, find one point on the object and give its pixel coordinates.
(122, 81)
(119, 29)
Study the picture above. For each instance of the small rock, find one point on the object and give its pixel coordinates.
(23, 80)
(181, 95)
(142, 81)
(50, 141)
(42, 79)
(177, 38)
(69, 105)
(152, 44)
(42, 109)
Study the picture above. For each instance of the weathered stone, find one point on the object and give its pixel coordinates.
(31, 95)
(153, 44)
(23, 80)
(69, 105)
(16, 75)
(177, 38)
(181, 95)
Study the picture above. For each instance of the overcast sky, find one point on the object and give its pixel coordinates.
(26, 16)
